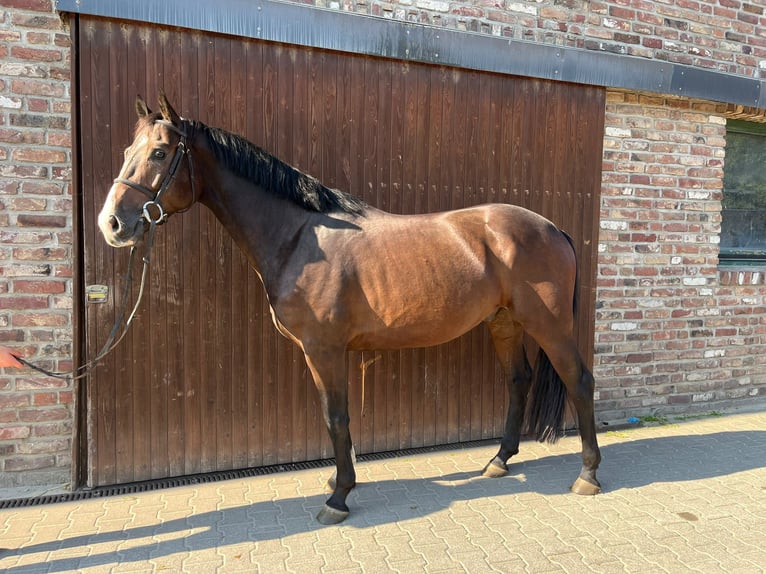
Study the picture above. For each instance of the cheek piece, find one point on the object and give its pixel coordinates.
(152, 211)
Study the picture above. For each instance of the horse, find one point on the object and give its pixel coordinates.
(341, 275)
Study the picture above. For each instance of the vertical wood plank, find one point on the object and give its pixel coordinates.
(208, 270)
(284, 149)
(119, 69)
(172, 366)
(240, 344)
(190, 236)
(253, 352)
(300, 155)
(270, 367)
(94, 314)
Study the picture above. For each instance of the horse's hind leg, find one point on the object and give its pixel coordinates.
(329, 372)
(566, 360)
(507, 336)
(587, 483)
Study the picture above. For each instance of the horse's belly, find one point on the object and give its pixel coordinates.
(407, 338)
(421, 291)
(422, 320)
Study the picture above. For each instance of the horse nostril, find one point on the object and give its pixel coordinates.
(114, 223)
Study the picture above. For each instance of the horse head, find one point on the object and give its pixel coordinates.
(151, 185)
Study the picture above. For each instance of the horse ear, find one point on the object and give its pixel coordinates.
(141, 108)
(168, 113)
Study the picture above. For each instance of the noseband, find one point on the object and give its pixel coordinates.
(154, 196)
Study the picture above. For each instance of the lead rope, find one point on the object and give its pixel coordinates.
(111, 343)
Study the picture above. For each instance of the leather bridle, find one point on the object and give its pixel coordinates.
(182, 149)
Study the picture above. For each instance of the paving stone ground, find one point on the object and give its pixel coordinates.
(681, 497)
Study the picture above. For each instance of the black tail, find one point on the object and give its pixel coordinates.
(546, 402)
(547, 399)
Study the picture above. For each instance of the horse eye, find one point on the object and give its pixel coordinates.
(158, 154)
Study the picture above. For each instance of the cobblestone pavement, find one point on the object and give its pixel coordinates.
(681, 497)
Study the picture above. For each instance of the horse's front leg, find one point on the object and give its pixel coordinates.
(329, 372)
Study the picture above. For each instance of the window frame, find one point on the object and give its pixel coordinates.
(733, 256)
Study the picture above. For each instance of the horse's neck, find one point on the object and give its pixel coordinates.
(261, 223)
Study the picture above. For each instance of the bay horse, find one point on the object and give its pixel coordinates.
(341, 275)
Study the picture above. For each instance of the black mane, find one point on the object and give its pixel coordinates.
(255, 164)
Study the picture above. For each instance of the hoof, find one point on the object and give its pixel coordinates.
(329, 515)
(495, 469)
(581, 486)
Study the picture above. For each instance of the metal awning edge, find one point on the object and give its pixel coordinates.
(314, 27)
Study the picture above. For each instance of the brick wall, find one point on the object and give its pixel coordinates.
(674, 334)
(35, 240)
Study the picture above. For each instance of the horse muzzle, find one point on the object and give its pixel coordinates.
(121, 231)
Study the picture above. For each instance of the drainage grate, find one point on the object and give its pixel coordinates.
(162, 483)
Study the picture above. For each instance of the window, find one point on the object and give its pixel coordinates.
(743, 228)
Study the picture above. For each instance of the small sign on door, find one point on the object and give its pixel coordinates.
(96, 294)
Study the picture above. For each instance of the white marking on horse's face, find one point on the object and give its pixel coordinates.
(121, 224)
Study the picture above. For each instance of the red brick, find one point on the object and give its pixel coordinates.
(61, 107)
(36, 54)
(63, 74)
(60, 139)
(19, 136)
(63, 271)
(38, 105)
(62, 41)
(20, 463)
(50, 287)
(15, 335)
(45, 399)
(23, 171)
(40, 320)
(14, 433)
(24, 302)
(724, 332)
(40, 415)
(39, 155)
(38, 38)
(643, 237)
(24, 20)
(34, 5)
(27, 204)
(42, 220)
(14, 401)
(10, 36)
(42, 188)
(41, 253)
(468, 11)
(51, 445)
(38, 88)
(61, 173)
(52, 429)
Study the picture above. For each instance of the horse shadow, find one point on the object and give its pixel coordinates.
(626, 465)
